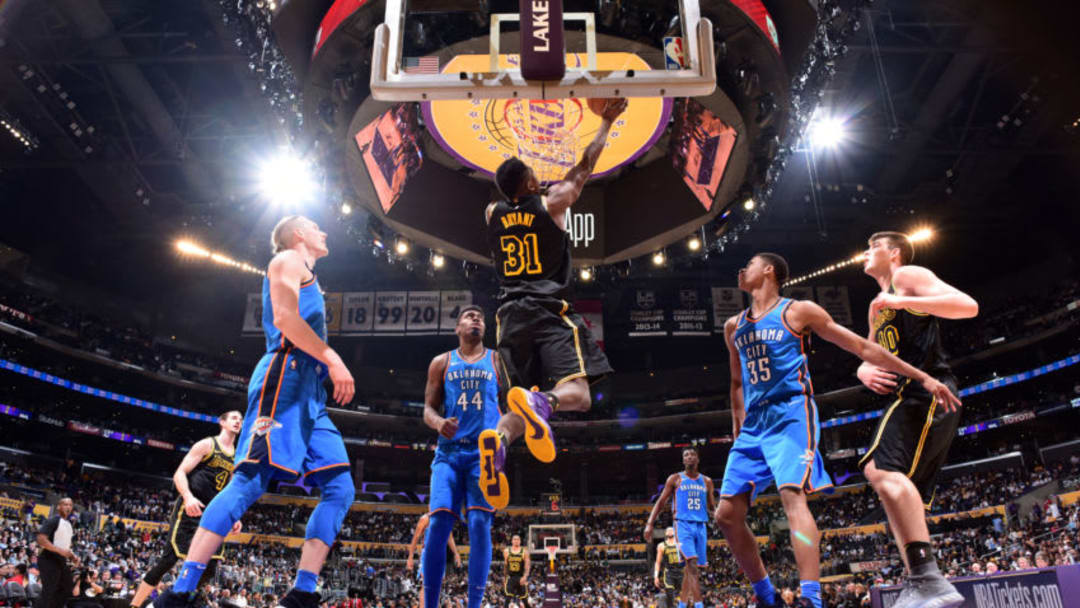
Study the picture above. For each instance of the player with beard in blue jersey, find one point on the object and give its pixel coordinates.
(461, 400)
(775, 420)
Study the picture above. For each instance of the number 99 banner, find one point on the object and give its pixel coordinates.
(386, 313)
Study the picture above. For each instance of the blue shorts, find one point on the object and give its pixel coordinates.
(455, 479)
(778, 445)
(693, 539)
(286, 425)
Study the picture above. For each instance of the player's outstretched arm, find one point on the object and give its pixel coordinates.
(565, 193)
(738, 406)
(925, 292)
(434, 395)
(286, 272)
(192, 506)
(656, 566)
(872, 376)
(669, 488)
(806, 314)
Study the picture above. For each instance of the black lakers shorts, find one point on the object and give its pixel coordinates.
(513, 587)
(914, 436)
(182, 530)
(543, 342)
(672, 579)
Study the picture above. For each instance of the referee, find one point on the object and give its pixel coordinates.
(54, 541)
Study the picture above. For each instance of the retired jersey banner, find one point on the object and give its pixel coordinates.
(835, 301)
(690, 312)
(253, 314)
(363, 313)
(452, 303)
(726, 303)
(647, 314)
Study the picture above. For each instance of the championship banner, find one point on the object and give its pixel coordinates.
(835, 301)
(726, 303)
(592, 311)
(452, 303)
(798, 293)
(357, 312)
(690, 316)
(1057, 587)
(333, 312)
(647, 317)
(253, 314)
(423, 313)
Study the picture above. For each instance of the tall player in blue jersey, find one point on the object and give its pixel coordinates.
(694, 500)
(461, 400)
(286, 432)
(774, 418)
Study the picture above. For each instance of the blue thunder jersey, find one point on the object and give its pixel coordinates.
(773, 359)
(312, 309)
(472, 396)
(691, 499)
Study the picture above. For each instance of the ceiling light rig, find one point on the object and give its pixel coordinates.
(919, 235)
(189, 248)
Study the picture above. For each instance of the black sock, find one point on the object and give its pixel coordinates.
(553, 400)
(920, 558)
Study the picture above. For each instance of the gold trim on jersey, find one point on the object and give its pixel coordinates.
(577, 346)
(922, 437)
(884, 422)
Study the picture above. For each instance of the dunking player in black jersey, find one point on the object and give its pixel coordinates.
(516, 566)
(913, 437)
(542, 342)
(201, 475)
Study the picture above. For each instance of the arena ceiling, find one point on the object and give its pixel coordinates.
(179, 126)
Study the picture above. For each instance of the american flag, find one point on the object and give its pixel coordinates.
(422, 65)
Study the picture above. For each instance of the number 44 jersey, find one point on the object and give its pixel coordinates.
(531, 252)
(472, 396)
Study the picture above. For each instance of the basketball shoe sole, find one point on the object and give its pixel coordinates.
(538, 436)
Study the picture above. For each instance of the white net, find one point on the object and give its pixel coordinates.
(546, 134)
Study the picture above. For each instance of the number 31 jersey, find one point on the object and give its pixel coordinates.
(472, 396)
(772, 357)
(531, 252)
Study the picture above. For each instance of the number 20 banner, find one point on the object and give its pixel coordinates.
(385, 313)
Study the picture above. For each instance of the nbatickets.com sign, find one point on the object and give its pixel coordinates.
(1034, 589)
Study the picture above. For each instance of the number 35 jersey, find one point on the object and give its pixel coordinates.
(772, 358)
(472, 396)
(531, 252)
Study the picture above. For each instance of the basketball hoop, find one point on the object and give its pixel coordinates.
(545, 131)
(552, 550)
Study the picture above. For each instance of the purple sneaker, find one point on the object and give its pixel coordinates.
(534, 408)
(493, 483)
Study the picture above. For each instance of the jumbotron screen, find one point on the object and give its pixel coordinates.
(700, 150)
(388, 145)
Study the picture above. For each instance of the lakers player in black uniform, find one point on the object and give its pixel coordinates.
(516, 566)
(912, 440)
(201, 475)
(542, 342)
(668, 571)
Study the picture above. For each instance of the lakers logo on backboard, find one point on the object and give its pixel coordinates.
(482, 133)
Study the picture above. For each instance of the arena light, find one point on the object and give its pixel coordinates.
(694, 243)
(346, 208)
(658, 258)
(748, 204)
(586, 274)
(827, 132)
(286, 179)
(401, 247)
(190, 248)
(437, 261)
(921, 234)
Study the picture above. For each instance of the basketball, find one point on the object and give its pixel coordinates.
(597, 104)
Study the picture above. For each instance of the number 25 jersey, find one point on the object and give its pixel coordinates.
(772, 358)
(531, 252)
